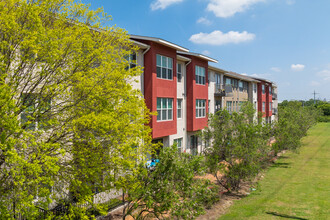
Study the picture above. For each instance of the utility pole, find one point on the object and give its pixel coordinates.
(314, 93)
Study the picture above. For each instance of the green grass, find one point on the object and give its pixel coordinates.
(296, 187)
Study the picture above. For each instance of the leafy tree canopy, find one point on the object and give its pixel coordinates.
(70, 122)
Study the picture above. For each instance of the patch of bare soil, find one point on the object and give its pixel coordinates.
(226, 200)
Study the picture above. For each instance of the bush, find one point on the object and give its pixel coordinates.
(171, 188)
(324, 118)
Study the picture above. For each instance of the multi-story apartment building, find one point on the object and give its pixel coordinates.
(183, 89)
(238, 90)
(266, 101)
(175, 85)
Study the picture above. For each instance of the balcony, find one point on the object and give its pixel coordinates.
(274, 111)
(219, 90)
(229, 90)
(274, 97)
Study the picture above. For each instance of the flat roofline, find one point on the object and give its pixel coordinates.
(139, 44)
(261, 79)
(199, 56)
(160, 41)
(182, 58)
(240, 76)
(217, 69)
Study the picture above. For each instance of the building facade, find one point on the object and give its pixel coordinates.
(183, 89)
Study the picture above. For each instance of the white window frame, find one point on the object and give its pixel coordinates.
(132, 60)
(200, 75)
(229, 106)
(178, 142)
(263, 89)
(254, 88)
(200, 108)
(179, 108)
(263, 106)
(179, 72)
(164, 109)
(164, 64)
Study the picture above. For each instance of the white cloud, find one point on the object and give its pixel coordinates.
(204, 20)
(290, 2)
(275, 69)
(315, 83)
(206, 52)
(220, 38)
(324, 74)
(297, 67)
(162, 4)
(227, 8)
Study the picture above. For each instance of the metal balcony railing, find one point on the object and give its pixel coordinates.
(274, 111)
(274, 96)
(219, 90)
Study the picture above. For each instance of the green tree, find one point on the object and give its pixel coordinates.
(325, 108)
(171, 189)
(69, 120)
(238, 148)
(294, 120)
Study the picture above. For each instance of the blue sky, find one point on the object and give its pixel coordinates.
(286, 41)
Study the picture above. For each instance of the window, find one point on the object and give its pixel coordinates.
(179, 108)
(234, 83)
(254, 87)
(270, 90)
(35, 114)
(217, 79)
(270, 106)
(240, 84)
(245, 86)
(164, 109)
(164, 67)
(217, 105)
(179, 72)
(194, 144)
(200, 75)
(131, 58)
(229, 103)
(263, 106)
(240, 105)
(178, 143)
(200, 108)
(228, 81)
(263, 89)
(208, 106)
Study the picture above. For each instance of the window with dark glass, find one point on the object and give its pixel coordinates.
(131, 58)
(164, 67)
(263, 89)
(179, 108)
(36, 111)
(179, 72)
(240, 84)
(178, 143)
